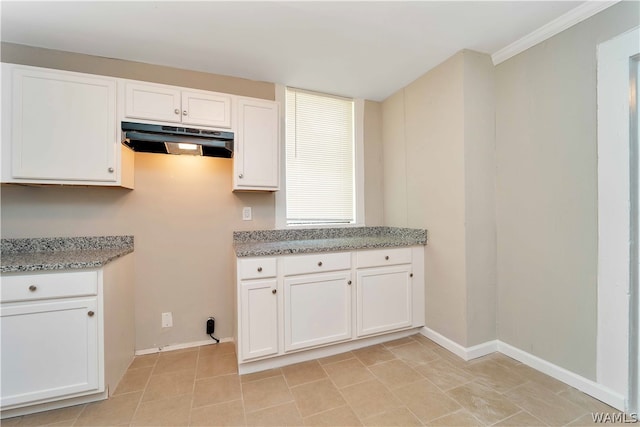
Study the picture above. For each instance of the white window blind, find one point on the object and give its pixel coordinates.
(320, 158)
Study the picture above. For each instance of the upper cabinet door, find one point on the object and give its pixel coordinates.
(257, 150)
(170, 104)
(63, 126)
(152, 102)
(204, 109)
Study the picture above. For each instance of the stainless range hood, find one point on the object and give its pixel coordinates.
(162, 139)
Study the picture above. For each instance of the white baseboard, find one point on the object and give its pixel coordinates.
(583, 384)
(49, 406)
(466, 353)
(317, 353)
(180, 346)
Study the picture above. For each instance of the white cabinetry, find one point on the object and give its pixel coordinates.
(384, 290)
(63, 339)
(50, 339)
(257, 151)
(171, 104)
(60, 128)
(259, 318)
(317, 299)
(51, 350)
(384, 299)
(258, 308)
(298, 307)
(317, 309)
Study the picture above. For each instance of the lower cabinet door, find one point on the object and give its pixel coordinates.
(49, 350)
(259, 318)
(383, 299)
(317, 309)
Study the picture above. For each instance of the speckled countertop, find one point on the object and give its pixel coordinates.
(281, 242)
(60, 253)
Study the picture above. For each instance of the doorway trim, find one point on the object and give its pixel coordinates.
(614, 338)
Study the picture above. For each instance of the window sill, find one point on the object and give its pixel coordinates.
(324, 225)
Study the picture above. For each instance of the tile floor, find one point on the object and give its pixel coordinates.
(407, 382)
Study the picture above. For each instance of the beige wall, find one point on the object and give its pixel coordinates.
(373, 191)
(480, 208)
(39, 57)
(395, 164)
(434, 138)
(182, 214)
(182, 211)
(546, 192)
(438, 151)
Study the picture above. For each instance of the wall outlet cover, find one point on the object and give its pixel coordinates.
(167, 320)
(246, 213)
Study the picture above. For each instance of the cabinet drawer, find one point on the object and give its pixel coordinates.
(316, 263)
(49, 285)
(256, 268)
(381, 257)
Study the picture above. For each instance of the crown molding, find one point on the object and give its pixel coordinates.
(584, 11)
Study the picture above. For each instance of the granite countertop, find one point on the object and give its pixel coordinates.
(61, 253)
(282, 242)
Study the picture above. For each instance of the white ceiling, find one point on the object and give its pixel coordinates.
(359, 49)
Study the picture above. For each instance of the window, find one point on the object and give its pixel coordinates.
(320, 160)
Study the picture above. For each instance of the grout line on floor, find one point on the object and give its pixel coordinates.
(193, 388)
(419, 376)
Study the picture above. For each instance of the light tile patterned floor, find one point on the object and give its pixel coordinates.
(406, 382)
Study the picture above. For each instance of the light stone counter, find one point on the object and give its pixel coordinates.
(282, 242)
(60, 253)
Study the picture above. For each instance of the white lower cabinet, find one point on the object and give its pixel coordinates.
(317, 309)
(66, 337)
(384, 299)
(291, 306)
(50, 349)
(51, 336)
(259, 323)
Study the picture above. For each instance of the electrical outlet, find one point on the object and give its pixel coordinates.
(167, 320)
(246, 213)
(211, 325)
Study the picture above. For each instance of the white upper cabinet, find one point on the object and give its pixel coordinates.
(149, 101)
(206, 109)
(59, 128)
(257, 151)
